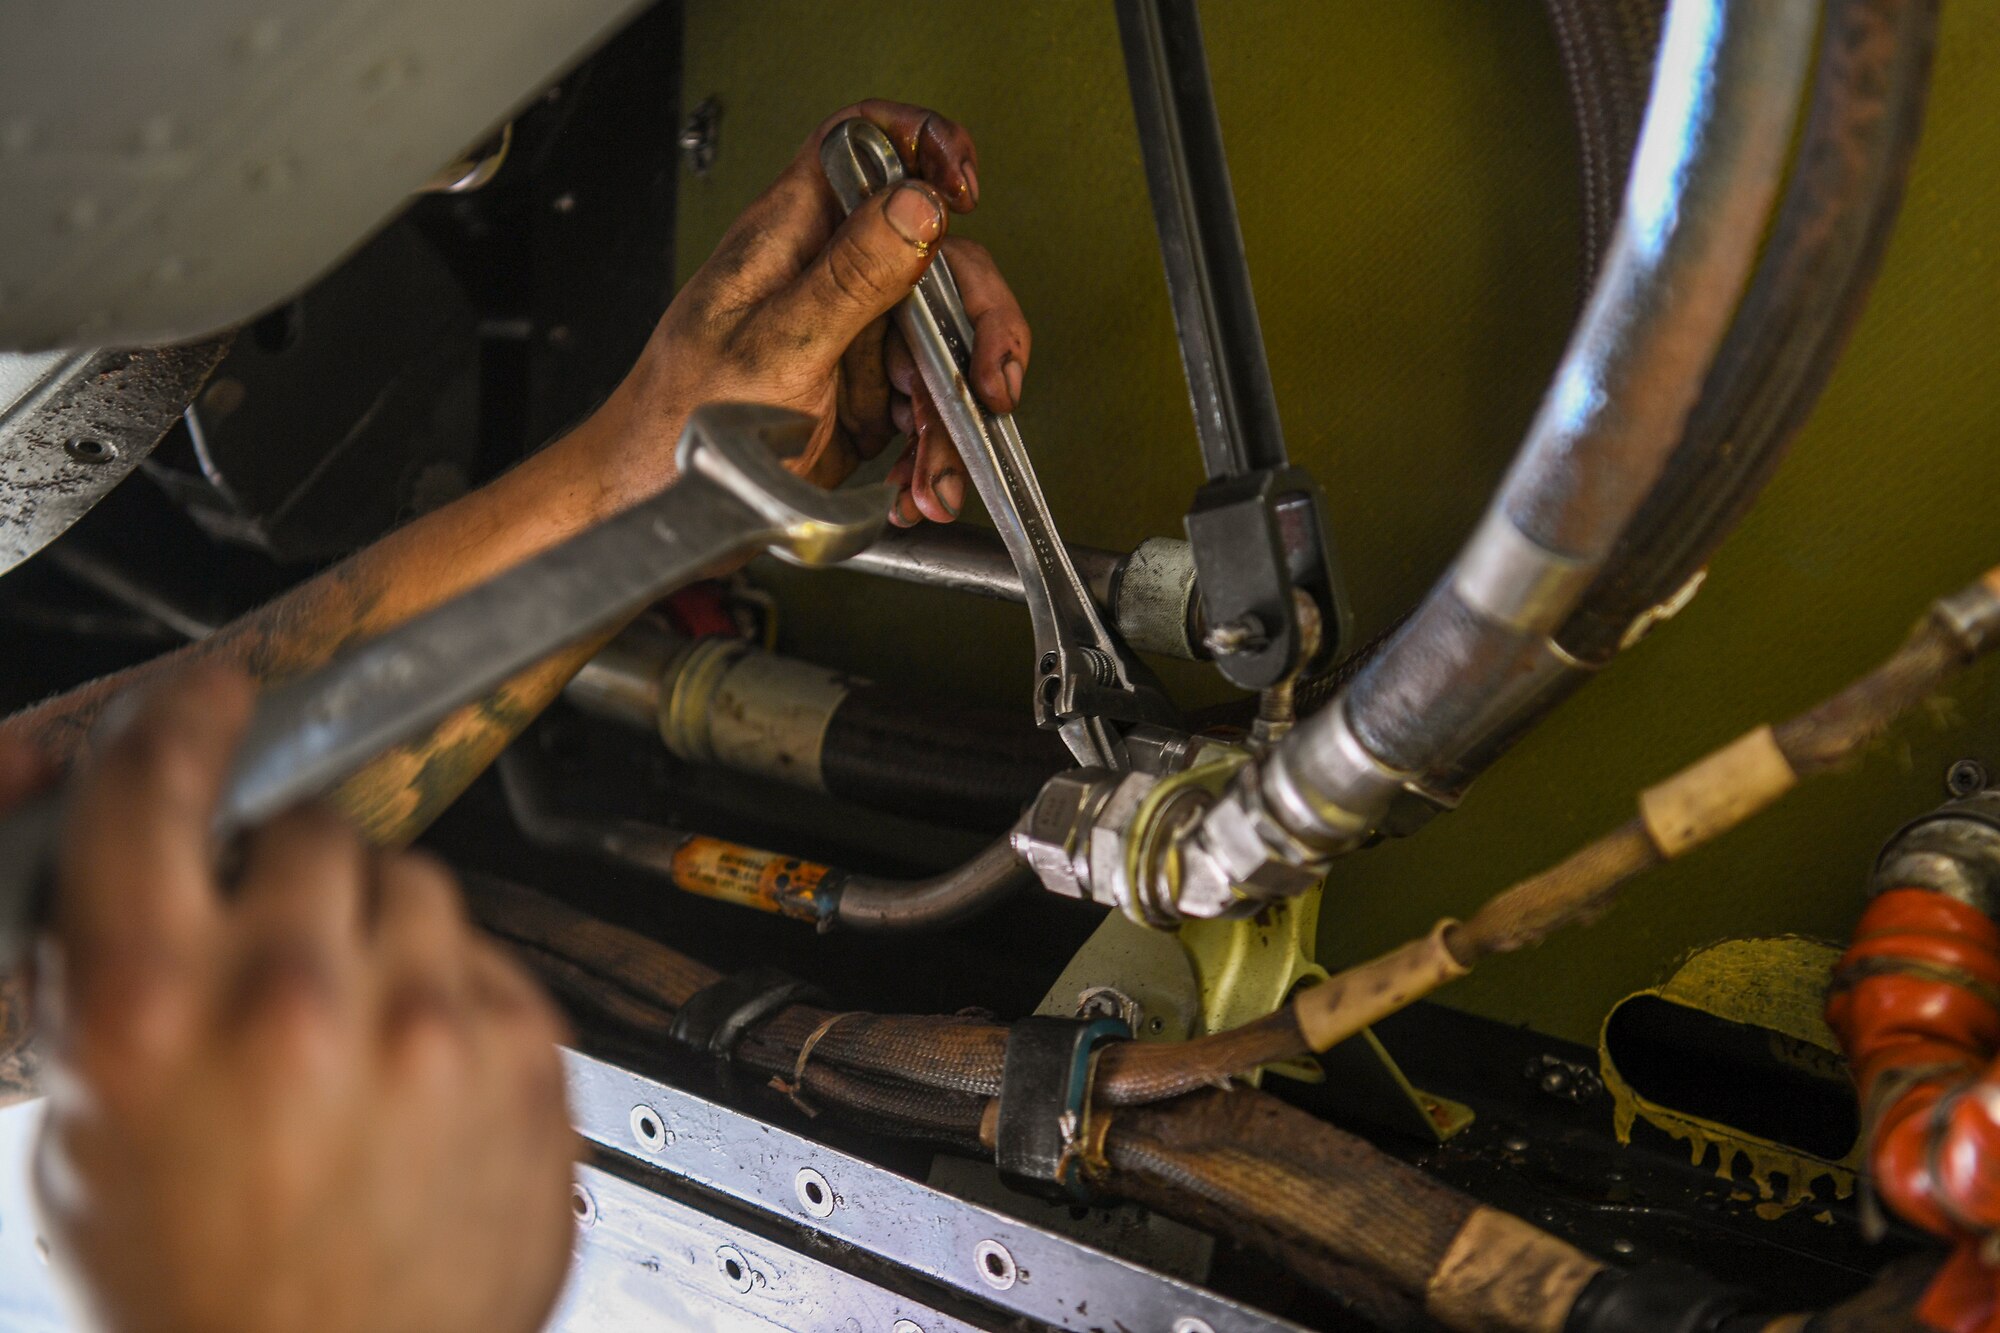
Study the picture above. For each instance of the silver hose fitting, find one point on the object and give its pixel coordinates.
(1192, 845)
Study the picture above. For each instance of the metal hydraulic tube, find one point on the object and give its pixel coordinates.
(720, 701)
(1825, 245)
(1709, 159)
(1481, 648)
(1149, 593)
(764, 881)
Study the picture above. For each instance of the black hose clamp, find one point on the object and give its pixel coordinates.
(715, 1017)
(1045, 1081)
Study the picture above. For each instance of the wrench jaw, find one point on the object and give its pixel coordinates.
(1085, 682)
(858, 161)
(741, 447)
(1084, 696)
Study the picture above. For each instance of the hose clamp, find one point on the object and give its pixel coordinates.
(715, 1017)
(1045, 1082)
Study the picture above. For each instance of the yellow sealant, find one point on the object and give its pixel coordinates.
(1777, 985)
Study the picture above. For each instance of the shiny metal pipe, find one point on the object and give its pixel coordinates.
(821, 895)
(865, 902)
(1150, 593)
(1711, 154)
(965, 557)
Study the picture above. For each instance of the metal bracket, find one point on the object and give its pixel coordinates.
(1258, 527)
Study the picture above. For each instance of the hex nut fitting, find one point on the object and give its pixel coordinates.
(1236, 858)
(1053, 839)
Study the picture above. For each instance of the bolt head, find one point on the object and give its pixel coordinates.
(1245, 634)
(1967, 777)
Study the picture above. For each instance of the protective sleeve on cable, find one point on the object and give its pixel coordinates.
(1916, 1005)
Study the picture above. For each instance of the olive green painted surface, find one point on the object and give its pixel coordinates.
(1406, 177)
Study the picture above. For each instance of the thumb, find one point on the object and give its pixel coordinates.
(871, 263)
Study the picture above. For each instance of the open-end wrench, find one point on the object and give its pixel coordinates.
(1084, 680)
(734, 498)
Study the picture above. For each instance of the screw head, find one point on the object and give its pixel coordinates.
(1188, 1323)
(1109, 1002)
(1967, 777)
(89, 450)
(906, 1326)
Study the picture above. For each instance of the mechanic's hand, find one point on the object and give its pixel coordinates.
(23, 772)
(792, 310)
(321, 1104)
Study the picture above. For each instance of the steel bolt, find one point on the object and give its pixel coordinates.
(1622, 1246)
(1245, 634)
(1109, 1002)
(1967, 777)
(699, 136)
(906, 1326)
(1188, 1323)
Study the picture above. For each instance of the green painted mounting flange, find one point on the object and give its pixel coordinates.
(1215, 975)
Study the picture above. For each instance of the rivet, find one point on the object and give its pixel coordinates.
(735, 1269)
(90, 450)
(815, 1195)
(650, 1129)
(995, 1264)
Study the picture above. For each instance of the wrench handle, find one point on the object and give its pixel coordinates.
(1083, 676)
(734, 498)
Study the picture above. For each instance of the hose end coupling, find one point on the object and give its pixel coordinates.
(1954, 850)
(1192, 845)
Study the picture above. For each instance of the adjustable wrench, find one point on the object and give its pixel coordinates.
(734, 498)
(1084, 680)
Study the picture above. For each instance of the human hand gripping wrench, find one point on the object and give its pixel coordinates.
(735, 498)
(1085, 682)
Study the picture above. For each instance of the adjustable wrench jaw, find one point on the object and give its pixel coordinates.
(1085, 682)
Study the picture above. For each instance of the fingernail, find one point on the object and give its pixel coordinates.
(948, 485)
(970, 185)
(914, 212)
(906, 514)
(1011, 370)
